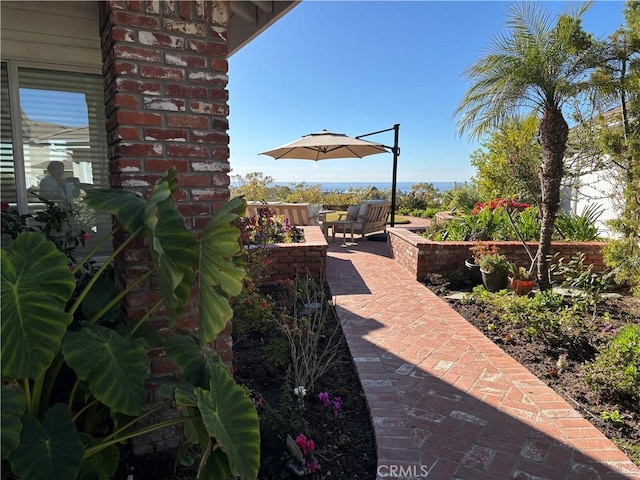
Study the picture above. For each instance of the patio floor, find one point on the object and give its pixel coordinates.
(446, 402)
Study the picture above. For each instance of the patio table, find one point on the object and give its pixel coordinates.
(344, 224)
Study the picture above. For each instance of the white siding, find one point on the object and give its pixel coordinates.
(59, 33)
(596, 188)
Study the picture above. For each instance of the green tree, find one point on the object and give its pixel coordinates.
(537, 66)
(430, 194)
(507, 164)
(423, 195)
(255, 186)
(618, 79)
(304, 193)
(461, 197)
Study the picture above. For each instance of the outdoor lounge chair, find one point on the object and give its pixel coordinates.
(296, 213)
(369, 217)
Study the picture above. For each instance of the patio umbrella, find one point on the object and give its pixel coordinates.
(326, 145)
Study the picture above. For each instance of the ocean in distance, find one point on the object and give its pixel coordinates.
(404, 187)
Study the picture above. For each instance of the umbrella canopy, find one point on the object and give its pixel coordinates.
(325, 145)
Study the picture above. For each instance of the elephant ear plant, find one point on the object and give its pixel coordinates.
(70, 429)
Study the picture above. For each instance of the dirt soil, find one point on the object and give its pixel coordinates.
(561, 368)
(345, 449)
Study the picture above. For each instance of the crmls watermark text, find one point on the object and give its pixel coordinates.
(402, 471)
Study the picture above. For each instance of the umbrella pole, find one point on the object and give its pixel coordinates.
(396, 131)
(396, 152)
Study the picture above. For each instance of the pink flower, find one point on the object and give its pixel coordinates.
(305, 446)
(301, 441)
(312, 466)
(86, 237)
(337, 404)
(324, 398)
(4, 206)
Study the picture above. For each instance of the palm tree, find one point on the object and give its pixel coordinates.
(532, 70)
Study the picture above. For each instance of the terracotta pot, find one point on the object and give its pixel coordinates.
(494, 282)
(521, 287)
(473, 270)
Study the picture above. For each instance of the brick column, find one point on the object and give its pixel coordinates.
(165, 71)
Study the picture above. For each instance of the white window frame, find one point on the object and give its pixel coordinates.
(16, 117)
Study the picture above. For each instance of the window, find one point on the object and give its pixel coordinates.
(53, 142)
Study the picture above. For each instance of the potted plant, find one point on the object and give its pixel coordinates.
(472, 264)
(521, 280)
(473, 271)
(495, 270)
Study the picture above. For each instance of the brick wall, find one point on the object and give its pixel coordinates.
(295, 259)
(421, 257)
(165, 71)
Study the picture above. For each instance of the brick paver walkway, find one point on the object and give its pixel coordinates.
(446, 403)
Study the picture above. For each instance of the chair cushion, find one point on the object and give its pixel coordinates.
(363, 210)
(352, 212)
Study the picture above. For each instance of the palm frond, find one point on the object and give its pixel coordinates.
(534, 67)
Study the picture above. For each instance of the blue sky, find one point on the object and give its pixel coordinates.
(356, 67)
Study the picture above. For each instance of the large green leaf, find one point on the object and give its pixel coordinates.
(215, 312)
(36, 284)
(103, 292)
(174, 252)
(51, 449)
(100, 466)
(186, 353)
(220, 277)
(217, 467)
(114, 367)
(12, 409)
(125, 205)
(231, 419)
(216, 464)
(185, 397)
(173, 247)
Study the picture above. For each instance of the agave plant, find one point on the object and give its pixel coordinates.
(68, 433)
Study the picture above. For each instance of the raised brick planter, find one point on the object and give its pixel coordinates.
(293, 259)
(421, 257)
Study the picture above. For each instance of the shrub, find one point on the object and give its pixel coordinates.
(578, 275)
(313, 345)
(461, 197)
(491, 221)
(543, 315)
(623, 256)
(579, 228)
(252, 312)
(425, 213)
(528, 223)
(58, 223)
(499, 203)
(616, 370)
(267, 228)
